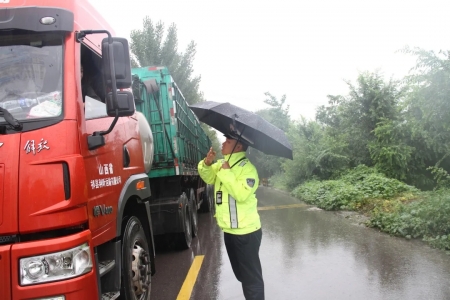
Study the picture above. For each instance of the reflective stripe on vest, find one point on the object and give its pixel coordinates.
(233, 212)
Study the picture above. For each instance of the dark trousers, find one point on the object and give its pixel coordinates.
(243, 251)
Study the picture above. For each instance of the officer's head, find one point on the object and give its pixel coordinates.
(232, 145)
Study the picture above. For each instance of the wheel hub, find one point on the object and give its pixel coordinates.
(140, 270)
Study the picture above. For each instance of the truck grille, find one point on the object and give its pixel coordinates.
(7, 239)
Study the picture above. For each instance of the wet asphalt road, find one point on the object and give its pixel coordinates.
(308, 254)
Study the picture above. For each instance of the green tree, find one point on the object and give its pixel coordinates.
(390, 152)
(316, 154)
(278, 113)
(150, 49)
(354, 118)
(400, 127)
(427, 111)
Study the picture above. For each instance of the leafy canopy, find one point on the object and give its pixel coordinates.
(151, 48)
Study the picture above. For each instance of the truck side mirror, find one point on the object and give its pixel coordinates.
(121, 62)
(117, 67)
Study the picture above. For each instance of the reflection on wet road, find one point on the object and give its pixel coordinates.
(311, 254)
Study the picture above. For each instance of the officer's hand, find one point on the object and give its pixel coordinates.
(225, 165)
(210, 156)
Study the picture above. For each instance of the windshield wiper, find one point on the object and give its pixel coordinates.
(16, 125)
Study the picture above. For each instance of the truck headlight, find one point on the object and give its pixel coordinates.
(56, 266)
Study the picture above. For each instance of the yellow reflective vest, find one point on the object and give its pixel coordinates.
(238, 213)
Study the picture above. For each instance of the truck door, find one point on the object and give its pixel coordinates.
(104, 165)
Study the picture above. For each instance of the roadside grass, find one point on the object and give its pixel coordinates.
(391, 205)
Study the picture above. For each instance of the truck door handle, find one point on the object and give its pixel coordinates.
(66, 180)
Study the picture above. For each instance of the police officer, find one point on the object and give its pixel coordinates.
(235, 182)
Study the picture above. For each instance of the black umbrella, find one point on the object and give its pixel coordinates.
(248, 126)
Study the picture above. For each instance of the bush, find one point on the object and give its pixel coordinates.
(378, 186)
(329, 195)
(427, 219)
(392, 205)
(352, 190)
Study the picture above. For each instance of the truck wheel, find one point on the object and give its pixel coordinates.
(136, 279)
(194, 214)
(185, 237)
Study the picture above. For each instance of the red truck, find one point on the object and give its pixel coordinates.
(74, 213)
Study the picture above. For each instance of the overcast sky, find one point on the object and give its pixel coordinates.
(304, 49)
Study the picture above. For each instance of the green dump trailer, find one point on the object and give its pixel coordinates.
(179, 143)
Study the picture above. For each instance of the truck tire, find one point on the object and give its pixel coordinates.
(136, 270)
(194, 214)
(184, 238)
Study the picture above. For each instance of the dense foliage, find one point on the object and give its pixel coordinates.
(399, 127)
(427, 218)
(377, 148)
(353, 190)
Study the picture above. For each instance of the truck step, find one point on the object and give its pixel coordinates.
(105, 267)
(110, 296)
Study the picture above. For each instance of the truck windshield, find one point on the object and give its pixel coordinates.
(31, 74)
